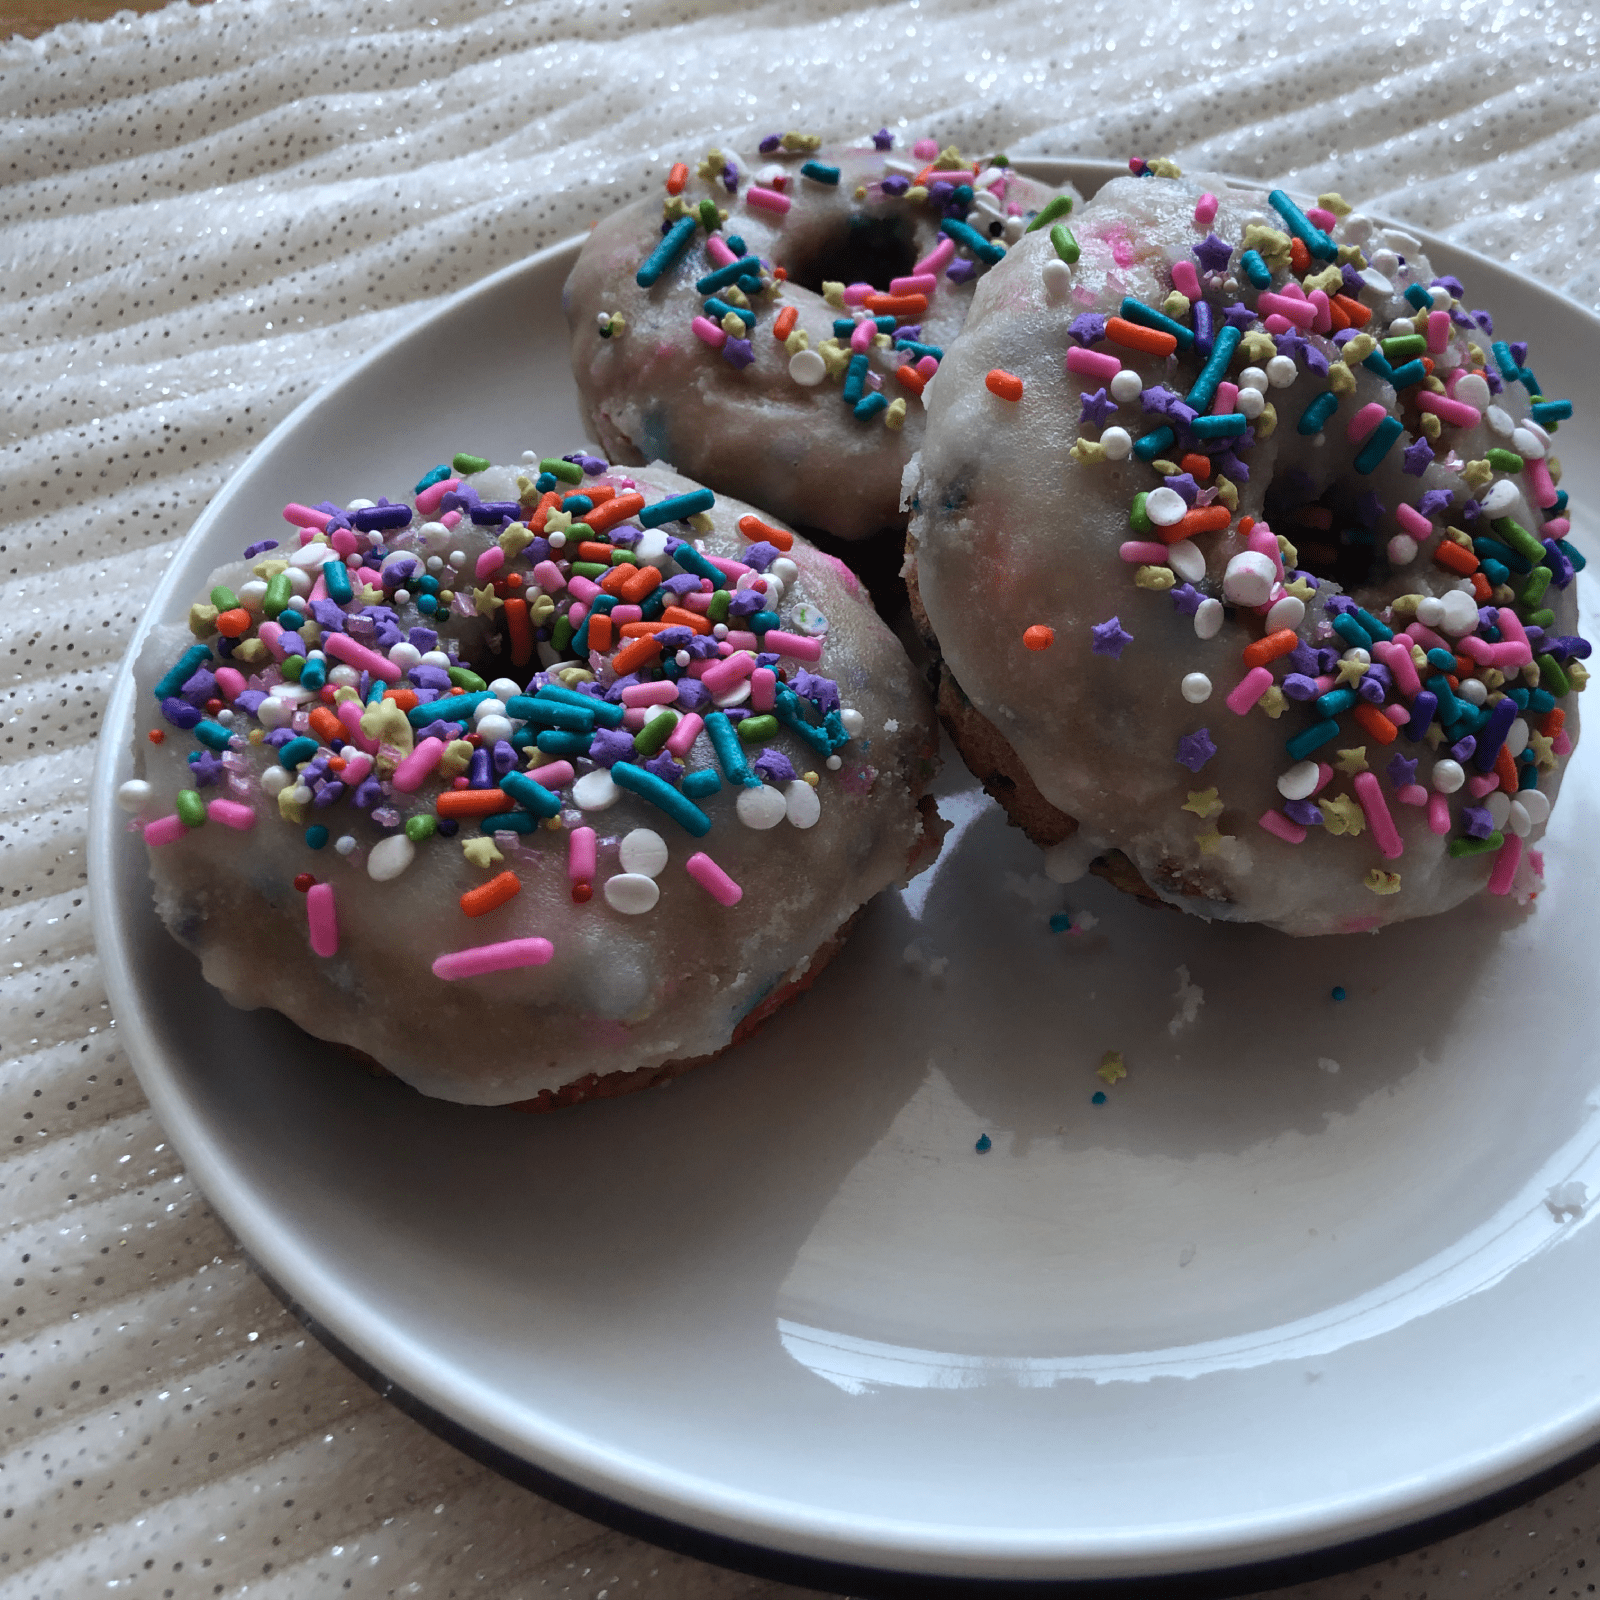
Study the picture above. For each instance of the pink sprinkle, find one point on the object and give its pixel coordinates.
(1185, 279)
(1438, 814)
(1321, 219)
(1122, 250)
(1276, 822)
(925, 149)
(721, 676)
(582, 589)
(927, 366)
(1249, 689)
(767, 199)
(343, 540)
(358, 656)
(917, 283)
(662, 693)
(231, 814)
(1205, 210)
(1427, 638)
(231, 681)
(553, 774)
(1300, 312)
(548, 576)
(728, 567)
(1412, 521)
(1506, 861)
(1438, 331)
(936, 260)
(1479, 650)
(580, 855)
(763, 689)
(489, 562)
(323, 922)
(414, 769)
(1412, 795)
(1364, 421)
(861, 339)
(305, 516)
(1093, 363)
(794, 644)
(1370, 794)
(1324, 777)
(356, 768)
(450, 518)
(164, 830)
(742, 639)
(713, 879)
(709, 333)
(623, 615)
(319, 590)
(1227, 400)
(1481, 784)
(1539, 481)
(684, 735)
(720, 254)
(428, 500)
(1144, 551)
(1398, 660)
(349, 713)
(1277, 324)
(856, 293)
(1562, 743)
(1514, 642)
(1324, 322)
(484, 958)
(270, 633)
(1456, 412)
(700, 603)
(1558, 527)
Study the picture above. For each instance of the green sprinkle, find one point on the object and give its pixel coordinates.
(291, 667)
(1551, 676)
(710, 218)
(593, 570)
(1061, 206)
(1138, 520)
(1065, 245)
(420, 827)
(464, 465)
(1503, 460)
(224, 599)
(752, 730)
(191, 808)
(466, 678)
(1476, 847)
(561, 634)
(1542, 618)
(1533, 590)
(717, 611)
(655, 733)
(566, 471)
(1519, 538)
(620, 557)
(1405, 345)
(279, 594)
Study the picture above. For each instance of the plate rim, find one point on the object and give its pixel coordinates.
(702, 1509)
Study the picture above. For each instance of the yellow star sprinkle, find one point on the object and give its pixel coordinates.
(1274, 702)
(481, 852)
(1111, 1068)
(1300, 589)
(1210, 841)
(1087, 451)
(1577, 674)
(1434, 736)
(1380, 882)
(1351, 672)
(1543, 748)
(486, 600)
(1203, 802)
(1341, 379)
(1341, 814)
(1257, 347)
(557, 522)
(1335, 202)
(1353, 761)
(456, 759)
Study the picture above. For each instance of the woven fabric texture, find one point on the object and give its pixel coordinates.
(207, 211)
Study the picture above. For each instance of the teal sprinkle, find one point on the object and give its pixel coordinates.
(1256, 269)
(1547, 412)
(1501, 352)
(666, 253)
(870, 405)
(1060, 922)
(1419, 297)
(1338, 991)
(1199, 398)
(1379, 445)
(1098, 1098)
(1312, 738)
(427, 481)
(818, 172)
(182, 670)
(984, 249)
(508, 822)
(337, 577)
(316, 836)
(984, 1144)
(1302, 227)
(1226, 425)
(296, 751)
(855, 379)
(214, 735)
(1318, 412)
(1148, 317)
(1151, 445)
(700, 783)
(676, 507)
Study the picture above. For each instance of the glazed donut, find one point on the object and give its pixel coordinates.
(1241, 539)
(772, 333)
(532, 785)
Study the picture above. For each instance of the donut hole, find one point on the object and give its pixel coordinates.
(1334, 530)
(872, 250)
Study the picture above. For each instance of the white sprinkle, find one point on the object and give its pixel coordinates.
(134, 795)
(1299, 781)
(1196, 688)
(1187, 560)
(390, 857)
(1057, 278)
(595, 791)
(1165, 507)
(1117, 443)
(1281, 371)
(632, 893)
(802, 804)
(761, 808)
(643, 851)
(1402, 550)
(1126, 386)
(807, 368)
(1289, 612)
(1208, 618)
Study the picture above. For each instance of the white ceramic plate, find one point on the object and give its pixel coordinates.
(1294, 1283)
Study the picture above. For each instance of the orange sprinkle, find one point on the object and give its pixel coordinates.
(1553, 722)
(1338, 321)
(1481, 591)
(645, 630)
(597, 493)
(600, 632)
(514, 581)
(406, 699)
(910, 378)
(781, 274)
(157, 736)
(520, 632)
(1205, 519)
(234, 624)
(1198, 467)
(1299, 257)
(755, 530)
(1374, 721)
(593, 550)
(1465, 666)
(682, 617)
(547, 503)
(613, 581)
(1358, 314)
(1005, 384)
(1039, 637)
(336, 763)
(471, 802)
(784, 325)
(677, 178)
(1271, 647)
(1454, 558)
(617, 509)
(1246, 525)
(896, 305)
(1152, 341)
(1505, 769)
(494, 893)
(325, 725)
(641, 584)
(634, 654)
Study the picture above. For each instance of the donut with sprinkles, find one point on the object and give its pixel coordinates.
(768, 324)
(1241, 535)
(533, 784)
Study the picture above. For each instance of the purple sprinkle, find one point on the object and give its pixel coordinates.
(1454, 285)
(1303, 659)
(369, 794)
(773, 766)
(611, 745)
(1204, 327)
(1110, 638)
(1213, 253)
(1304, 812)
(738, 352)
(1195, 749)
(1477, 821)
(1298, 686)
(959, 271)
(1088, 327)
(1184, 485)
(883, 140)
(1435, 502)
(896, 184)
(1401, 772)
(259, 548)
(503, 757)
(1186, 599)
(770, 143)
(205, 768)
(1462, 749)
(664, 767)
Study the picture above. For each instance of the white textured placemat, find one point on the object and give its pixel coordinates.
(203, 213)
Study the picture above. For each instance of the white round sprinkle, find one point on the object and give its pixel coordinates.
(1249, 578)
(784, 570)
(1165, 507)
(1196, 688)
(343, 677)
(853, 721)
(595, 791)
(1472, 390)
(1186, 560)
(390, 857)
(402, 596)
(632, 893)
(807, 368)
(1498, 806)
(345, 844)
(1281, 371)
(1357, 228)
(1430, 611)
(1289, 612)
(1536, 803)
(1117, 443)
(1528, 425)
(406, 655)
(1014, 227)
(274, 712)
(1356, 653)
(736, 696)
(1448, 776)
(1208, 618)
(487, 708)
(1473, 689)
(134, 795)
(1057, 278)
(1375, 279)
(1251, 402)
(274, 779)
(1300, 781)
(1518, 820)
(1517, 738)
(642, 851)
(761, 808)
(436, 658)
(833, 763)
(557, 539)
(493, 729)
(1460, 613)
(808, 620)
(1524, 443)
(251, 594)
(801, 803)
(1253, 378)
(1499, 420)
(1402, 550)
(1440, 297)
(503, 688)
(1127, 385)
(360, 505)
(1401, 326)
(458, 558)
